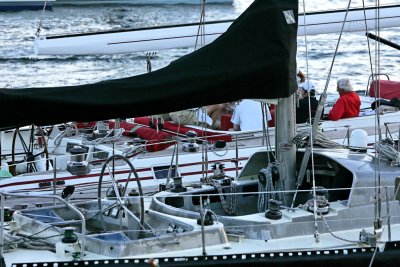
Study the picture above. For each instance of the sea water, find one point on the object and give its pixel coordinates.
(19, 67)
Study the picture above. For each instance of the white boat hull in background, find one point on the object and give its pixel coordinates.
(183, 36)
(140, 2)
(149, 39)
(17, 5)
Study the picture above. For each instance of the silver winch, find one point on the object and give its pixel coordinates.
(218, 169)
(78, 164)
(191, 145)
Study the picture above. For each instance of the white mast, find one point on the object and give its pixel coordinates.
(285, 130)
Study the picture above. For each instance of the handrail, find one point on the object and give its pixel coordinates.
(3, 194)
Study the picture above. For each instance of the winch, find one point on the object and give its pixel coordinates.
(191, 145)
(321, 194)
(78, 165)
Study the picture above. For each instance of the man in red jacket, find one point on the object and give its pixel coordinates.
(348, 104)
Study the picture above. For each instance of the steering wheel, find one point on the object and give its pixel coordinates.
(120, 192)
(29, 148)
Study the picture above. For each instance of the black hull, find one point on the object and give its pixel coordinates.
(336, 258)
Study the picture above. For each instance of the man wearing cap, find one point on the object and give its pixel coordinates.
(306, 91)
(348, 104)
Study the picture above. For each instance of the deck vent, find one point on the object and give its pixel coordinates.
(358, 140)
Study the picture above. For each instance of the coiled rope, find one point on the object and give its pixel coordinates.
(269, 190)
(231, 207)
(319, 139)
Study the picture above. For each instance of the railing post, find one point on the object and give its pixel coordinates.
(388, 214)
(2, 262)
(203, 240)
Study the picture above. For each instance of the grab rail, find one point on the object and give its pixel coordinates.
(3, 194)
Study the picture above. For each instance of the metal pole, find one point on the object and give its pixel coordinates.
(203, 240)
(237, 156)
(54, 179)
(388, 214)
(2, 199)
(348, 134)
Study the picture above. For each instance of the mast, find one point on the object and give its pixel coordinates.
(285, 130)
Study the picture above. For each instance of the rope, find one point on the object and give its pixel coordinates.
(231, 207)
(69, 131)
(134, 150)
(41, 19)
(330, 231)
(214, 150)
(270, 191)
(301, 140)
(117, 133)
(387, 150)
(15, 240)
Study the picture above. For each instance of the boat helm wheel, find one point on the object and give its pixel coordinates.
(121, 195)
(36, 140)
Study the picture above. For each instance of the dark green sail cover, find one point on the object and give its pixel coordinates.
(254, 58)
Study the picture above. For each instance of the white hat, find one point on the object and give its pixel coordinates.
(307, 86)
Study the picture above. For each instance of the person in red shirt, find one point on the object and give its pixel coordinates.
(348, 104)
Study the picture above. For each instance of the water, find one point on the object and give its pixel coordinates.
(21, 68)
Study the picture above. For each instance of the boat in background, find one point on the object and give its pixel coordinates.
(186, 35)
(18, 5)
(139, 2)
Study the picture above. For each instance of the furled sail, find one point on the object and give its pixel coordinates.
(254, 58)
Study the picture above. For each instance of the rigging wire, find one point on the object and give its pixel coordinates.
(201, 30)
(378, 221)
(320, 108)
(39, 28)
(311, 138)
(377, 96)
(266, 134)
(375, 70)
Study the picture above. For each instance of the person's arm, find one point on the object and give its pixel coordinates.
(336, 111)
(235, 119)
(301, 76)
(236, 127)
(269, 117)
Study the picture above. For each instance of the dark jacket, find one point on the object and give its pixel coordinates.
(302, 113)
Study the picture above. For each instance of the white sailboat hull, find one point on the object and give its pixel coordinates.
(127, 41)
(16, 5)
(140, 2)
(182, 36)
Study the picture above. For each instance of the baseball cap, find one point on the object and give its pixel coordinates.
(307, 86)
